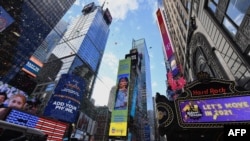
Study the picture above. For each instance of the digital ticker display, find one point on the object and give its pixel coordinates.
(228, 109)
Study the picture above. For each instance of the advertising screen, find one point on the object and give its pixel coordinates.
(5, 19)
(135, 93)
(164, 34)
(119, 116)
(54, 129)
(12, 97)
(65, 102)
(173, 65)
(33, 66)
(230, 109)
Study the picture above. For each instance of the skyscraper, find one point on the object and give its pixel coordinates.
(82, 46)
(24, 26)
(145, 88)
(132, 114)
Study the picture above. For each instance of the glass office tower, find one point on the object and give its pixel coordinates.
(82, 46)
(145, 90)
(24, 25)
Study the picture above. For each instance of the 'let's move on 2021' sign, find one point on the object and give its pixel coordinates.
(216, 110)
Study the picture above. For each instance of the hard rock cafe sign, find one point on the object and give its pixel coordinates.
(212, 103)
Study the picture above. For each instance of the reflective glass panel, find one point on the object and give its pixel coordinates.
(236, 10)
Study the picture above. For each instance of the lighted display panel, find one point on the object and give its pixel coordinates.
(228, 109)
(5, 19)
(66, 100)
(119, 117)
(33, 66)
(54, 129)
(164, 34)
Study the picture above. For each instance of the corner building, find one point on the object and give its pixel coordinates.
(25, 24)
(211, 36)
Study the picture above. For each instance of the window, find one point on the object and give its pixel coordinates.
(229, 26)
(235, 13)
(212, 5)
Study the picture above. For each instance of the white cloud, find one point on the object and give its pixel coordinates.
(77, 2)
(154, 84)
(120, 8)
(110, 61)
(102, 89)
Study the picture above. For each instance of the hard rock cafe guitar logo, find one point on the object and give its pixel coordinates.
(192, 111)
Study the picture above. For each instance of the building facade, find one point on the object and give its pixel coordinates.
(102, 118)
(80, 50)
(25, 26)
(211, 36)
(145, 103)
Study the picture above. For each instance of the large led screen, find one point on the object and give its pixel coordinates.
(12, 97)
(33, 66)
(118, 125)
(66, 100)
(164, 34)
(5, 19)
(230, 109)
(54, 129)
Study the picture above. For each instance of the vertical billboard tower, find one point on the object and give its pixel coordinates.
(27, 24)
(119, 118)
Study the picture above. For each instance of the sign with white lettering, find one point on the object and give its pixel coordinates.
(66, 100)
(228, 109)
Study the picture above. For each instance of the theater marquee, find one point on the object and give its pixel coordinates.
(212, 103)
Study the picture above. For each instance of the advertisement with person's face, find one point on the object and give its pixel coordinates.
(11, 97)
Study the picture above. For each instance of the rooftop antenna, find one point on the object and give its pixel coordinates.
(103, 4)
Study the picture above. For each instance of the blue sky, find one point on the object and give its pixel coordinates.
(132, 19)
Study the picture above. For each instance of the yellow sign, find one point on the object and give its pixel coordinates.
(118, 129)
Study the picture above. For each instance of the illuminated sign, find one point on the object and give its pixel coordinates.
(66, 100)
(33, 66)
(118, 129)
(164, 34)
(119, 116)
(213, 87)
(54, 129)
(173, 65)
(5, 19)
(230, 109)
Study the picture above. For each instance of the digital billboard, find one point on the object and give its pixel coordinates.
(33, 66)
(164, 34)
(215, 110)
(119, 116)
(173, 65)
(66, 99)
(54, 129)
(135, 93)
(12, 97)
(5, 19)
